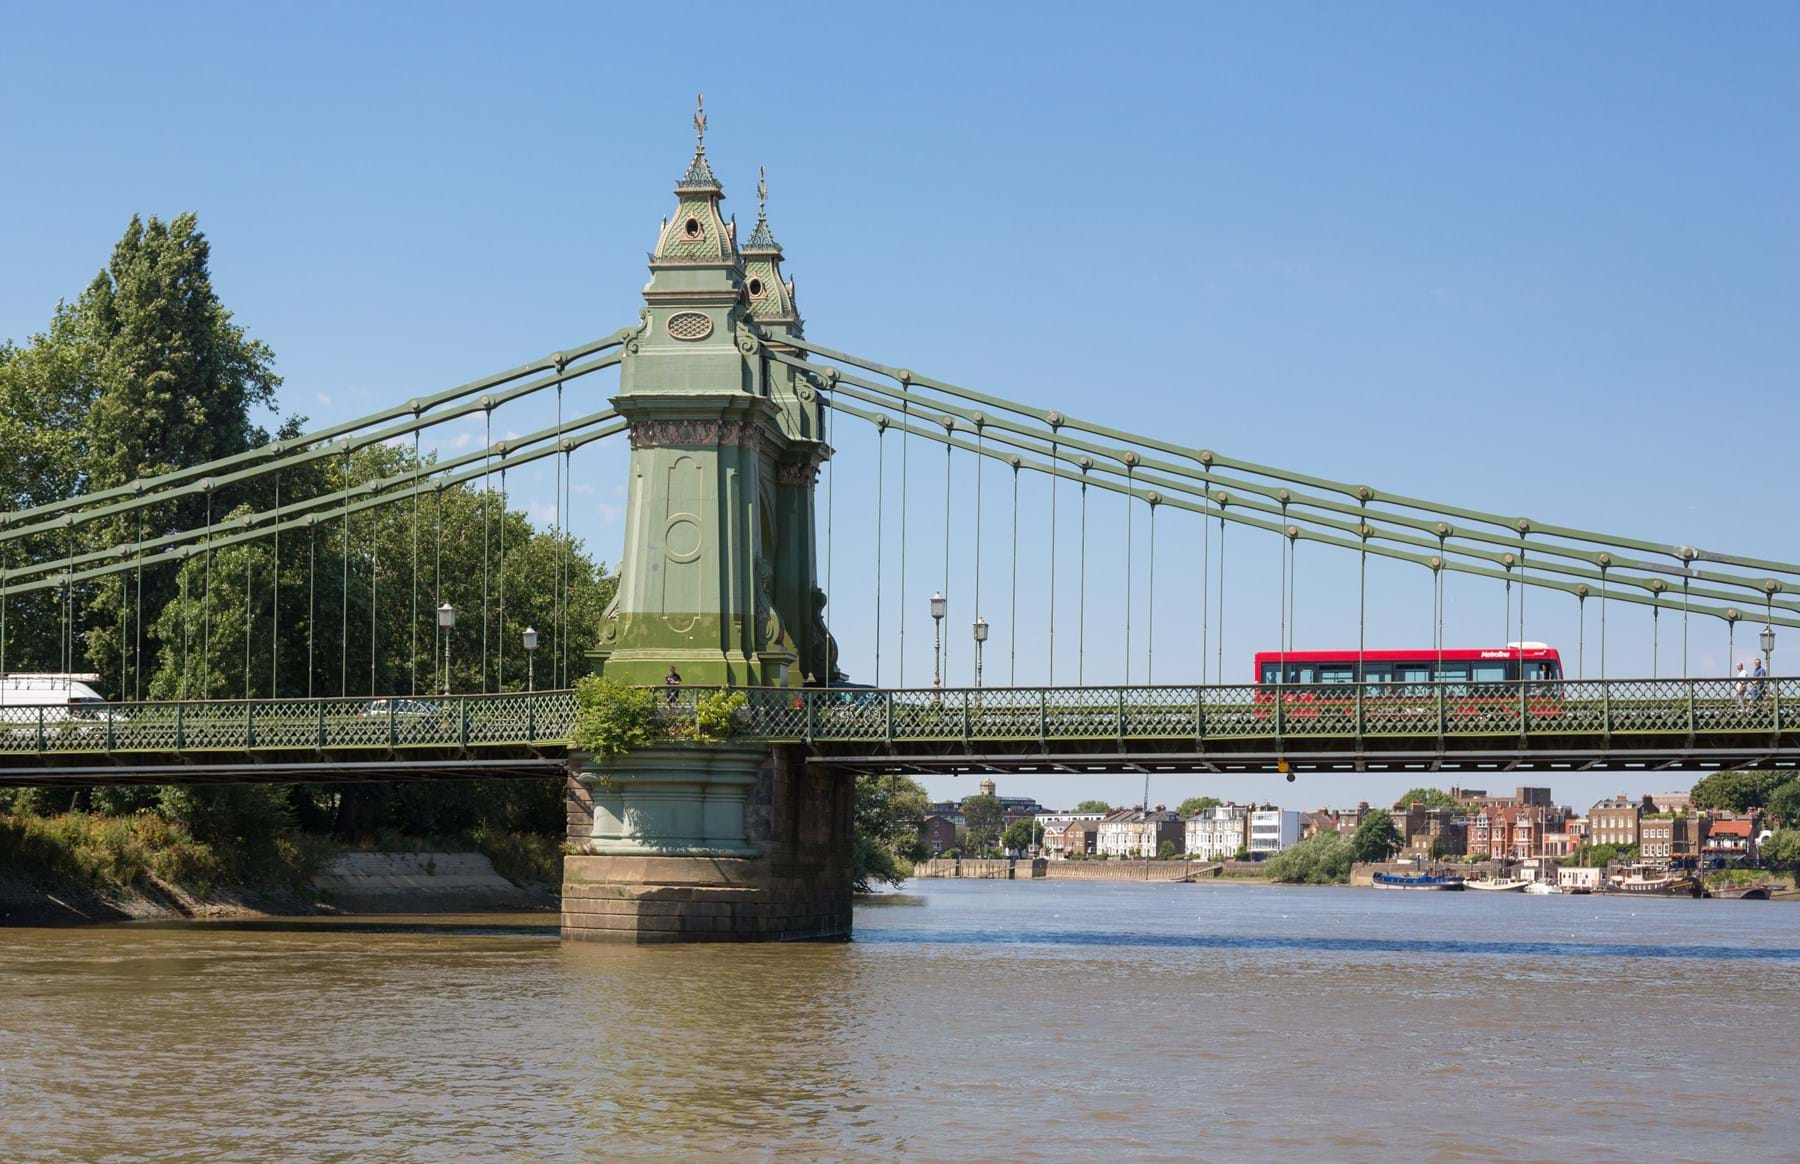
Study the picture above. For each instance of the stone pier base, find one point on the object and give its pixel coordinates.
(708, 844)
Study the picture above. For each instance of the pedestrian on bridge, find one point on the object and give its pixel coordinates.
(1757, 675)
(672, 681)
(1742, 685)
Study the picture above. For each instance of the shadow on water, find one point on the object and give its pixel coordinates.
(1093, 938)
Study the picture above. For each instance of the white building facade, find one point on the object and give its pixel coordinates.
(1272, 830)
(1217, 833)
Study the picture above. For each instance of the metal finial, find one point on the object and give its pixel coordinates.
(700, 123)
(762, 194)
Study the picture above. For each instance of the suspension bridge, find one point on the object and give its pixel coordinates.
(729, 412)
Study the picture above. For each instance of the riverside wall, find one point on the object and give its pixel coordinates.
(1021, 869)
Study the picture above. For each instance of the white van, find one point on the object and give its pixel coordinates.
(57, 697)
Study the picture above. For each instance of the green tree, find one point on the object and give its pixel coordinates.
(1600, 856)
(1021, 836)
(1738, 791)
(1429, 797)
(1782, 850)
(1093, 806)
(888, 812)
(982, 819)
(1195, 805)
(1321, 859)
(1165, 851)
(1376, 838)
(1784, 804)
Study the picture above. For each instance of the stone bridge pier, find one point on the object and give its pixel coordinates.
(708, 843)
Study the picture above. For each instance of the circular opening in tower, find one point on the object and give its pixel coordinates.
(756, 288)
(691, 228)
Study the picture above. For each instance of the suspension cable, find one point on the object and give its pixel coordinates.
(1205, 580)
(1602, 624)
(438, 584)
(1684, 628)
(1054, 481)
(312, 600)
(1581, 636)
(559, 577)
(1128, 530)
(206, 605)
(344, 601)
(186, 632)
(1150, 628)
(500, 586)
(374, 592)
(880, 509)
(1081, 607)
(275, 605)
(1655, 643)
(947, 451)
(980, 462)
(412, 636)
(1012, 617)
(1220, 669)
(825, 398)
(137, 622)
(487, 494)
(906, 414)
(249, 613)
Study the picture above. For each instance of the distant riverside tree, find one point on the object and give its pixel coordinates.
(1738, 791)
(1601, 855)
(885, 824)
(1195, 805)
(982, 819)
(1165, 851)
(1376, 838)
(1093, 806)
(1429, 797)
(1784, 804)
(1782, 850)
(1022, 835)
(1321, 859)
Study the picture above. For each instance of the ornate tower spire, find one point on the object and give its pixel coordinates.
(698, 232)
(771, 299)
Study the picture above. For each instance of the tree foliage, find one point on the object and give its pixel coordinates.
(1376, 838)
(1093, 806)
(982, 819)
(1784, 804)
(1195, 805)
(1021, 836)
(1321, 859)
(1599, 856)
(888, 812)
(1782, 850)
(1429, 797)
(1738, 791)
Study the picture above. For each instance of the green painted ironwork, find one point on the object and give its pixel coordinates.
(1522, 715)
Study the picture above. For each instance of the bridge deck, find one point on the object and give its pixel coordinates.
(1618, 724)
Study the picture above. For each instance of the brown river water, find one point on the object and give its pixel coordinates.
(969, 1020)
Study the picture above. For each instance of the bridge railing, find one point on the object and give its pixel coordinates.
(952, 717)
(320, 725)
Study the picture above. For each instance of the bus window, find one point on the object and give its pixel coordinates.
(1489, 672)
(1340, 673)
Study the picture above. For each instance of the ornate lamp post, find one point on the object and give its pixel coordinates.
(937, 638)
(981, 633)
(530, 659)
(1768, 648)
(446, 615)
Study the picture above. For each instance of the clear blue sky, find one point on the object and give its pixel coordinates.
(1531, 258)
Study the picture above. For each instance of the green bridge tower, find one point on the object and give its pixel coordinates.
(719, 582)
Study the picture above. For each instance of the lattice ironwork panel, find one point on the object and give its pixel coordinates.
(1004, 713)
(1231, 712)
(1648, 705)
(1082, 713)
(1160, 712)
(285, 724)
(928, 715)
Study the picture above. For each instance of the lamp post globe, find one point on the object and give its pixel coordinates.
(531, 645)
(981, 635)
(1768, 648)
(446, 620)
(938, 607)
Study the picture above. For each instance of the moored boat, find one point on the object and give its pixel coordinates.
(1498, 886)
(1417, 881)
(1542, 887)
(1650, 881)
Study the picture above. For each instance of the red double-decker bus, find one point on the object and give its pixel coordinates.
(1473, 679)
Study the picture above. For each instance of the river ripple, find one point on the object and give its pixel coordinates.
(970, 1019)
